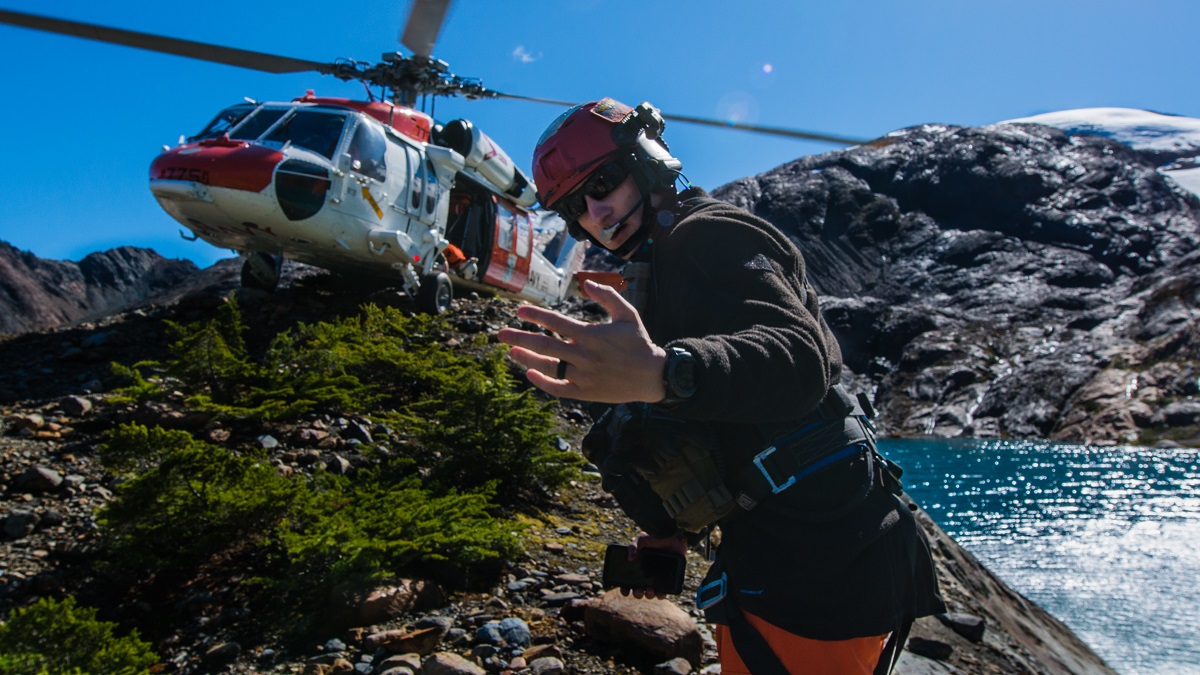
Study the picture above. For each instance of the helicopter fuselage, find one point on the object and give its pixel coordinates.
(360, 187)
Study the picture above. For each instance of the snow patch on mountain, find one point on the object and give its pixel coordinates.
(1173, 140)
(1139, 129)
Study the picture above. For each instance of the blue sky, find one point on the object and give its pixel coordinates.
(80, 122)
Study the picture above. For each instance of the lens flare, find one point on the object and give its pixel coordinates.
(737, 106)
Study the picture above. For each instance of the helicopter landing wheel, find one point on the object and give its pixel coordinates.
(435, 293)
(260, 271)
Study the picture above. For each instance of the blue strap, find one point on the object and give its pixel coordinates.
(715, 591)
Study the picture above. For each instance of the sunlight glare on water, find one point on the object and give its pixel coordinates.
(1106, 539)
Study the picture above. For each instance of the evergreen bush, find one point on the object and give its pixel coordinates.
(348, 531)
(51, 637)
(483, 431)
(431, 505)
(193, 501)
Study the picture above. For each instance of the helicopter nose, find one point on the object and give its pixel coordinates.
(228, 164)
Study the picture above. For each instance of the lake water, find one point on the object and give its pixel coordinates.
(1105, 539)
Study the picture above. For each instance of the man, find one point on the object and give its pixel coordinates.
(721, 337)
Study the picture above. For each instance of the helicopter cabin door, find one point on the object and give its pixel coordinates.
(365, 166)
(508, 265)
(418, 193)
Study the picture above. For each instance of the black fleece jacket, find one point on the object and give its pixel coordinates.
(731, 289)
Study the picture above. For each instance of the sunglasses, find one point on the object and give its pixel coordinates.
(597, 186)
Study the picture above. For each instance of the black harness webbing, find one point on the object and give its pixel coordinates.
(839, 429)
(796, 456)
(752, 647)
(761, 659)
(891, 650)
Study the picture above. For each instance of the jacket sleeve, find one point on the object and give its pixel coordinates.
(731, 289)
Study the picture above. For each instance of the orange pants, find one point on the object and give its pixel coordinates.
(802, 656)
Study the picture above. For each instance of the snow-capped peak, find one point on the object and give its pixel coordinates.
(1139, 129)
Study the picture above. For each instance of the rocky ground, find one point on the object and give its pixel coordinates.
(547, 615)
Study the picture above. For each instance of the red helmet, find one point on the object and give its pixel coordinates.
(587, 136)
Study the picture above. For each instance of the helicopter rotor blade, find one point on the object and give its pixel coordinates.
(762, 129)
(518, 97)
(157, 43)
(755, 128)
(425, 19)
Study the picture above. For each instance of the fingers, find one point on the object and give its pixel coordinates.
(547, 365)
(534, 343)
(546, 373)
(676, 544)
(609, 362)
(617, 307)
(550, 320)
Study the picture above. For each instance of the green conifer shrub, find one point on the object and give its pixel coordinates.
(483, 431)
(191, 501)
(472, 424)
(357, 531)
(432, 504)
(51, 637)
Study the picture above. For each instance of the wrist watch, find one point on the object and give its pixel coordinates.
(679, 376)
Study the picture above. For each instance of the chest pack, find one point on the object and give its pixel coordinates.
(670, 475)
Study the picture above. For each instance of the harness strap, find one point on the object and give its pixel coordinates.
(692, 492)
(752, 647)
(893, 648)
(836, 430)
(798, 455)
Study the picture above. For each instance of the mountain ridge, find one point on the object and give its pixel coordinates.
(38, 294)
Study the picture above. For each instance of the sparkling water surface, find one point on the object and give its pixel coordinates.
(1107, 539)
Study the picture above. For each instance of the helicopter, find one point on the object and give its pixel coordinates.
(377, 187)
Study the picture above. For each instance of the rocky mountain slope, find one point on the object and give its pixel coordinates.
(37, 293)
(547, 615)
(1008, 280)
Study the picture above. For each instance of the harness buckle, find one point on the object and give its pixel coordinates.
(746, 501)
(717, 586)
(775, 487)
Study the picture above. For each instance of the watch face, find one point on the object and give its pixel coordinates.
(682, 374)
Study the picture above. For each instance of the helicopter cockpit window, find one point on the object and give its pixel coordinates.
(317, 131)
(253, 126)
(367, 152)
(418, 179)
(224, 121)
(431, 186)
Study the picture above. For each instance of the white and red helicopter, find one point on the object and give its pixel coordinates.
(376, 187)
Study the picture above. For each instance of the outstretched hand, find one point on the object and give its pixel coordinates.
(613, 362)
